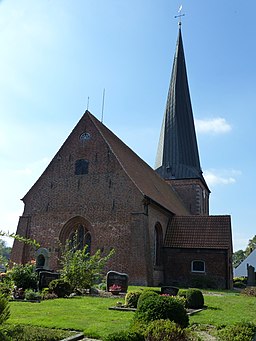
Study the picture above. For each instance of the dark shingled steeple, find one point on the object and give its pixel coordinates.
(177, 155)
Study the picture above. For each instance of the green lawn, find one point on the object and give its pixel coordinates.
(226, 309)
(91, 314)
(88, 314)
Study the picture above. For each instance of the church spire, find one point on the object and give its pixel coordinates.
(177, 155)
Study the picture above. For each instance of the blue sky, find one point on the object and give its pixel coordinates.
(54, 54)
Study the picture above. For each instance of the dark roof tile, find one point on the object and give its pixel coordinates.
(213, 232)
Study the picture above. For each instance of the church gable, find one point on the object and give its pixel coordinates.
(85, 172)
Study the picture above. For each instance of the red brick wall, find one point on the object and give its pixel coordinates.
(106, 198)
(157, 216)
(178, 267)
(193, 193)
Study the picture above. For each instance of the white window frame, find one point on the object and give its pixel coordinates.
(192, 266)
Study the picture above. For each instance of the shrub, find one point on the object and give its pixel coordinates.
(250, 291)
(194, 298)
(82, 269)
(24, 276)
(131, 298)
(6, 287)
(31, 333)
(145, 295)
(182, 293)
(125, 336)
(60, 287)
(241, 331)
(239, 282)
(47, 295)
(4, 309)
(165, 330)
(31, 295)
(162, 307)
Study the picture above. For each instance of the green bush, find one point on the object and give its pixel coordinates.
(194, 299)
(125, 336)
(4, 309)
(145, 295)
(131, 298)
(161, 307)
(60, 287)
(182, 293)
(241, 331)
(24, 276)
(31, 333)
(31, 295)
(240, 282)
(6, 287)
(165, 330)
(81, 268)
(47, 295)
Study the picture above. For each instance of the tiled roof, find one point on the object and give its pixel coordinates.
(210, 232)
(143, 176)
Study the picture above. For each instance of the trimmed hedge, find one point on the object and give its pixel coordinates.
(145, 295)
(60, 287)
(194, 299)
(131, 298)
(156, 307)
(241, 331)
(165, 330)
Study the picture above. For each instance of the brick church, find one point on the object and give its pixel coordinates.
(157, 221)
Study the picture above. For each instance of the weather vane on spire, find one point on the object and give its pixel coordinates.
(179, 15)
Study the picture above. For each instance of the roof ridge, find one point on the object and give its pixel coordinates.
(159, 193)
(95, 121)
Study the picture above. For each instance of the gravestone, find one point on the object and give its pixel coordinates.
(250, 276)
(45, 277)
(117, 278)
(168, 290)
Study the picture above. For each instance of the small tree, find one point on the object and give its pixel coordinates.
(24, 276)
(81, 269)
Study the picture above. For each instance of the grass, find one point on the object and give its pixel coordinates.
(92, 316)
(87, 314)
(226, 310)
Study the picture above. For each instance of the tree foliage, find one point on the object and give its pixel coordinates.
(15, 236)
(5, 252)
(81, 269)
(251, 246)
(240, 255)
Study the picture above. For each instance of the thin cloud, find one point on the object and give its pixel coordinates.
(217, 125)
(33, 168)
(221, 177)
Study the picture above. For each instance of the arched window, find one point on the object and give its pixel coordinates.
(79, 237)
(198, 266)
(158, 245)
(77, 231)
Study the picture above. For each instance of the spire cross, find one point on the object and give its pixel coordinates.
(179, 15)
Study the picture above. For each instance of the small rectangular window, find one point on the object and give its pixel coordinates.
(198, 266)
(81, 167)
